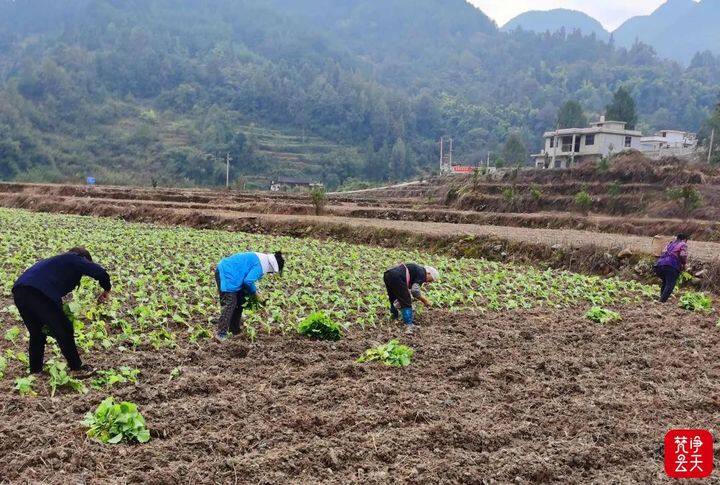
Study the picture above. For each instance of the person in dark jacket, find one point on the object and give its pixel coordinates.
(403, 284)
(671, 264)
(236, 277)
(38, 295)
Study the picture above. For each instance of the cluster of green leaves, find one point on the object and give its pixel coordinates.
(696, 302)
(602, 315)
(320, 327)
(392, 353)
(59, 377)
(110, 377)
(115, 422)
(24, 385)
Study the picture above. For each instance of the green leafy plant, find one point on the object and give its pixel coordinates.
(320, 327)
(12, 334)
(615, 189)
(114, 422)
(24, 385)
(318, 197)
(161, 338)
(688, 198)
(602, 315)
(200, 333)
(59, 377)
(508, 194)
(583, 201)
(536, 193)
(175, 373)
(696, 302)
(393, 354)
(3, 366)
(110, 377)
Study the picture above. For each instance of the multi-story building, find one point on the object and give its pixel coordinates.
(567, 147)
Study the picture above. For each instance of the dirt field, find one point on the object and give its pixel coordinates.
(519, 397)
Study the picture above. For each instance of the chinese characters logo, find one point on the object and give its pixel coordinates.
(688, 453)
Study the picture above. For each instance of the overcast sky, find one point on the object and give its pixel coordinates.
(610, 13)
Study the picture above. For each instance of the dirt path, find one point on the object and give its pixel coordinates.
(702, 251)
(519, 397)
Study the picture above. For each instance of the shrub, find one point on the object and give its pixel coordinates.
(688, 198)
(696, 302)
(535, 193)
(392, 354)
(614, 189)
(113, 423)
(508, 194)
(601, 315)
(318, 197)
(319, 326)
(583, 201)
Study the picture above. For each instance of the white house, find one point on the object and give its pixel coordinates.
(668, 143)
(567, 147)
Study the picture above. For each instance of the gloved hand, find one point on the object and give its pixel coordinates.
(408, 316)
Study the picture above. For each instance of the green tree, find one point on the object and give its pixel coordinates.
(622, 108)
(515, 152)
(712, 124)
(571, 116)
(398, 158)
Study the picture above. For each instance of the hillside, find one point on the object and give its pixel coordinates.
(678, 29)
(557, 19)
(362, 89)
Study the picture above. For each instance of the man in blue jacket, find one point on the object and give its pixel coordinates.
(236, 277)
(38, 295)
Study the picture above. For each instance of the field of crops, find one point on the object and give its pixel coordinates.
(165, 290)
(164, 304)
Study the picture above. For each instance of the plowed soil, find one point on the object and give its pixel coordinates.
(521, 397)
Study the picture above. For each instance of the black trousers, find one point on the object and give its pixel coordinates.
(231, 309)
(669, 277)
(397, 288)
(37, 310)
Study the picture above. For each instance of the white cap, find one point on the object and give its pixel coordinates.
(432, 272)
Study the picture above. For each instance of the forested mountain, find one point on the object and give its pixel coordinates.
(677, 30)
(557, 19)
(129, 90)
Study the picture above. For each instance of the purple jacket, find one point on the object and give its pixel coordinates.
(675, 255)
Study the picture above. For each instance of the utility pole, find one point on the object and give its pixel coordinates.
(712, 142)
(228, 159)
(442, 148)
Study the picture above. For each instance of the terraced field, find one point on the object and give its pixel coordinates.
(510, 381)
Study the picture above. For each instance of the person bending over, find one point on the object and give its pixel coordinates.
(403, 283)
(38, 295)
(236, 277)
(671, 264)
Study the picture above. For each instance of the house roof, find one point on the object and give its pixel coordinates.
(591, 131)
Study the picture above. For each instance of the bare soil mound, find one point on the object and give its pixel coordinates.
(523, 397)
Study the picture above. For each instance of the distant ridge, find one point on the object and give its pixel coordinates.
(557, 19)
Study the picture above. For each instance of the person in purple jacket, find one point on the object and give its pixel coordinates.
(38, 295)
(671, 264)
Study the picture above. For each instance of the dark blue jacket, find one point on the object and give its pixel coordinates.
(57, 276)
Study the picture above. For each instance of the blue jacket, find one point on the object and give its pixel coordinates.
(57, 276)
(239, 271)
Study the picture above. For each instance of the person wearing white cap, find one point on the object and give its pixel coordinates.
(403, 284)
(236, 277)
